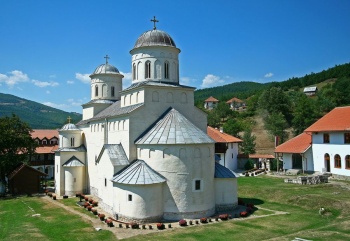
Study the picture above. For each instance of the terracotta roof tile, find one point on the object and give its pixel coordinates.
(234, 99)
(217, 136)
(41, 134)
(298, 144)
(211, 99)
(337, 119)
(46, 149)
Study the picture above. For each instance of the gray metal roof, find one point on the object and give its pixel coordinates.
(79, 149)
(156, 83)
(106, 69)
(115, 153)
(223, 172)
(73, 162)
(173, 128)
(138, 172)
(69, 127)
(98, 101)
(154, 37)
(111, 111)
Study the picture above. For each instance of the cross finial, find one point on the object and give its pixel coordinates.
(154, 20)
(69, 119)
(106, 57)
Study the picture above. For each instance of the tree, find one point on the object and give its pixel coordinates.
(277, 125)
(16, 144)
(248, 145)
(305, 113)
(233, 127)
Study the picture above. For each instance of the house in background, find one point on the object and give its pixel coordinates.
(226, 147)
(310, 91)
(210, 103)
(25, 180)
(44, 159)
(236, 104)
(324, 146)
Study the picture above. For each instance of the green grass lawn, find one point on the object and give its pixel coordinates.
(302, 202)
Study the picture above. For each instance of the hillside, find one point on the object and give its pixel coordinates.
(37, 115)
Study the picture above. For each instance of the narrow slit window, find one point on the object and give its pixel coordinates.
(197, 185)
(112, 91)
(129, 197)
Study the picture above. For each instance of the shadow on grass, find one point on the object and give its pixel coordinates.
(254, 201)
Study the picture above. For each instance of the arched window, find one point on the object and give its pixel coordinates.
(347, 161)
(147, 70)
(104, 91)
(112, 91)
(166, 70)
(133, 72)
(72, 141)
(169, 98)
(96, 90)
(337, 161)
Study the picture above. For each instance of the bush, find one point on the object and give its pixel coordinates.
(249, 164)
(101, 216)
(203, 220)
(273, 165)
(134, 225)
(183, 222)
(243, 214)
(160, 226)
(223, 216)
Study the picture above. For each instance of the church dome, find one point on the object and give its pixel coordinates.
(154, 37)
(70, 127)
(106, 69)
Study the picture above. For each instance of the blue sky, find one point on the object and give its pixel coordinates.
(48, 48)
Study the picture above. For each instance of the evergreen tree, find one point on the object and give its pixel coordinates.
(233, 127)
(305, 114)
(277, 125)
(248, 145)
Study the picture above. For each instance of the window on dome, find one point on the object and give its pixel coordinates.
(166, 70)
(325, 138)
(337, 161)
(112, 91)
(72, 141)
(147, 70)
(347, 138)
(96, 90)
(133, 72)
(347, 161)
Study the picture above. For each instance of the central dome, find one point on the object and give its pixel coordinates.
(154, 37)
(106, 69)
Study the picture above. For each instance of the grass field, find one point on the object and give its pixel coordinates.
(302, 202)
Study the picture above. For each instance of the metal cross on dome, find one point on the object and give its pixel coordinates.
(107, 57)
(154, 20)
(69, 119)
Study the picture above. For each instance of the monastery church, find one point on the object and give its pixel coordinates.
(144, 151)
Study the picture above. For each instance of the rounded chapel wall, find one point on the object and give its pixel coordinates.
(73, 182)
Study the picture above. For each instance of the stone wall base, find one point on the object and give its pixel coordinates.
(226, 207)
(188, 215)
(341, 177)
(127, 219)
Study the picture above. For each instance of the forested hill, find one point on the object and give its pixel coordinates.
(37, 115)
(243, 90)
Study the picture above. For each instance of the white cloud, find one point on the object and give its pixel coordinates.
(211, 80)
(70, 82)
(42, 84)
(83, 78)
(75, 102)
(14, 77)
(186, 80)
(268, 75)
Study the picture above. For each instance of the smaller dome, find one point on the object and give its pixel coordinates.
(70, 127)
(106, 69)
(154, 37)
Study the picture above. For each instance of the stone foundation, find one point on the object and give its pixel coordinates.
(226, 207)
(188, 215)
(127, 219)
(341, 177)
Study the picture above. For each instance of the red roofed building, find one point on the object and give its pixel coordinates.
(236, 103)
(210, 103)
(44, 159)
(226, 147)
(324, 146)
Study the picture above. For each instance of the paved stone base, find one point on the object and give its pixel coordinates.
(188, 215)
(226, 207)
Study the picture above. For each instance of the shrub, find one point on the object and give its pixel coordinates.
(94, 203)
(94, 211)
(109, 222)
(203, 220)
(223, 216)
(54, 197)
(240, 201)
(86, 198)
(134, 225)
(273, 165)
(86, 204)
(183, 222)
(251, 205)
(90, 200)
(77, 194)
(101, 216)
(243, 214)
(249, 164)
(249, 210)
(160, 226)
(89, 208)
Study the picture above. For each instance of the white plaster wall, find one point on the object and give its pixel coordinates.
(230, 156)
(319, 150)
(88, 112)
(181, 165)
(65, 138)
(307, 158)
(147, 200)
(287, 161)
(226, 191)
(334, 138)
(74, 180)
(109, 80)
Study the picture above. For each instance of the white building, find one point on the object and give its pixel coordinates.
(323, 147)
(144, 151)
(210, 103)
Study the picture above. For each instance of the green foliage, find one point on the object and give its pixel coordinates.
(16, 144)
(277, 125)
(248, 145)
(233, 127)
(249, 164)
(38, 116)
(273, 165)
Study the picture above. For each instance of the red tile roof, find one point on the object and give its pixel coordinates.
(337, 119)
(298, 144)
(41, 134)
(234, 99)
(211, 99)
(46, 149)
(267, 156)
(221, 137)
